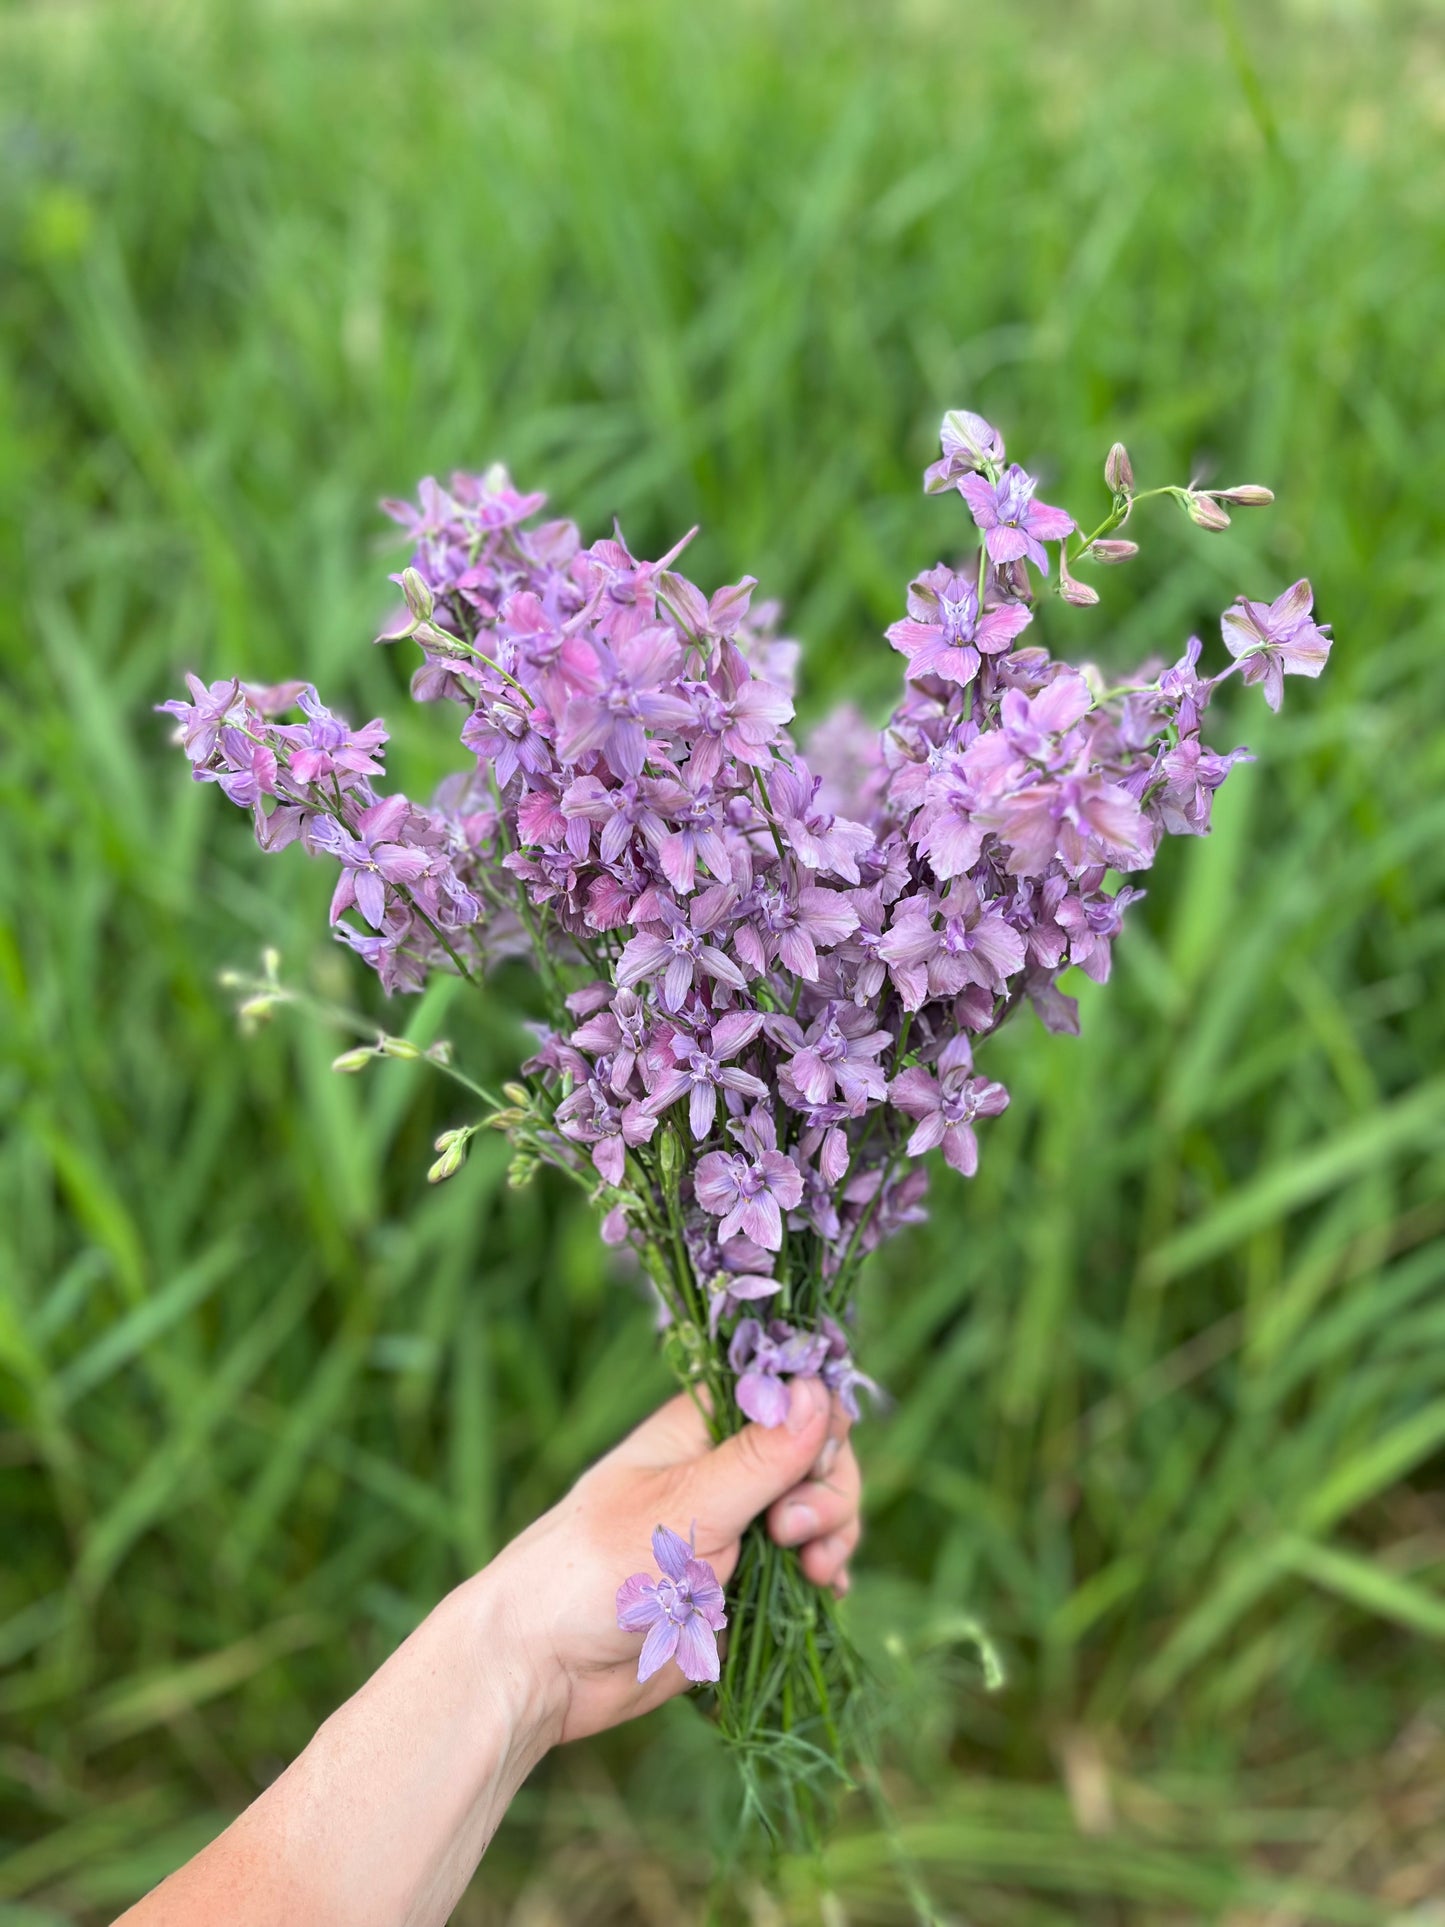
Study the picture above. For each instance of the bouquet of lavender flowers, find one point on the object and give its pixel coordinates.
(767, 975)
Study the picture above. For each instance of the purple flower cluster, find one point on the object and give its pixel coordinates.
(768, 972)
(412, 875)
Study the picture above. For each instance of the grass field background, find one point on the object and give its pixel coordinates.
(1170, 1374)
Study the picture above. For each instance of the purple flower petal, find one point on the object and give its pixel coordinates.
(671, 1551)
(638, 1606)
(696, 1651)
(657, 1649)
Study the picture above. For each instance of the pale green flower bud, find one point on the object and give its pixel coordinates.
(418, 595)
(517, 1094)
(353, 1060)
(521, 1171)
(448, 1164)
(670, 1156)
(439, 639)
(439, 1053)
(401, 1047)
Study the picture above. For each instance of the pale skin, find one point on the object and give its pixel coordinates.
(383, 1819)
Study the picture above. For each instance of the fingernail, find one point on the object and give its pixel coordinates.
(800, 1522)
(805, 1402)
(827, 1458)
(842, 1584)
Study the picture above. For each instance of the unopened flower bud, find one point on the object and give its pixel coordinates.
(418, 595)
(1073, 591)
(448, 1164)
(439, 1053)
(255, 1009)
(1112, 549)
(399, 1047)
(353, 1060)
(1249, 495)
(442, 640)
(457, 1135)
(1078, 593)
(1204, 512)
(670, 1156)
(1118, 470)
(517, 1094)
(521, 1171)
(505, 1120)
(270, 962)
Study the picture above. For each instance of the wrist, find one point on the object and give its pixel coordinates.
(516, 1668)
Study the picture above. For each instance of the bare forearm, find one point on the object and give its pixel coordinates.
(384, 1817)
(382, 1820)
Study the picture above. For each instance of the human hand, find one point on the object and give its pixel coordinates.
(384, 1816)
(556, 1584)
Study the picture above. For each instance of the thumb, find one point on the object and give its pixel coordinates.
(741, 1477)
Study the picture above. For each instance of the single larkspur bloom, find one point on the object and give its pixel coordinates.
(625, 693)
(681, 1611)
(841, 1376)
(325, 747)
(968, 443)
(837, 1057)
(750, 1191)
(678, 954)
(730, 1291)
(819, 840)
(943, 635)
(1272, 640)
(764, 1358)
(371, 856)
(212, 708)
(700, 1067)
(944, 1108)
(1014, 525)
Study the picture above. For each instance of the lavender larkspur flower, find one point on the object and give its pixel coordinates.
(749, 1190)
(697, 1066)
(677, 953)
(1014, 525)
(1272, 640)
(326, 747)
(371, 856)
(943, 635)
(764, 1358)
(837, 1057)
(819, 840)
(623, 694)
(944, 1108)
(681, 1611)
(968, 443)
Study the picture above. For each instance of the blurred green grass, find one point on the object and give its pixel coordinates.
(1170, 1375)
